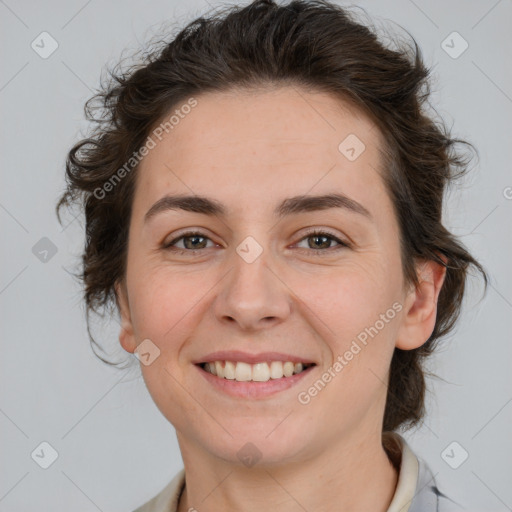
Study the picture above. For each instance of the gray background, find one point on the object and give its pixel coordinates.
(115, 449)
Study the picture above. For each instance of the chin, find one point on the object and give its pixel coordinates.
(260, 442)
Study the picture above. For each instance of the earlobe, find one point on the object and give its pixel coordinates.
(126, 336)
(420, 311)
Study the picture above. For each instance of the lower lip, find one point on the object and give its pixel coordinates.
(252, 389)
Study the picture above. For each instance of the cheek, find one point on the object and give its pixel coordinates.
(166, 308)
(357, 319)
(347, 300)
(168, 303)
(355, 314)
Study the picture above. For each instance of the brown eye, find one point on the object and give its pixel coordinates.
(321, 242)
(192, 241)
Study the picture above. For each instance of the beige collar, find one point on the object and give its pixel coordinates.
(408, 471)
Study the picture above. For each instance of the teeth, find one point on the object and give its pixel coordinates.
(276, 370)
(229, 370)
(243, 371)
(219, 369)
(259, 372)
(288, 368)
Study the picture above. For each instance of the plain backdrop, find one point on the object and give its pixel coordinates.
(114, 449)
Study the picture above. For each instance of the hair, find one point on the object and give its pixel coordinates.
(314, 45)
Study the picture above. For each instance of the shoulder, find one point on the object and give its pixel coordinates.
(167, 499)
(429, 495)
(417, 489)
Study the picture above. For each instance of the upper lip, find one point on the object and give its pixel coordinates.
(245, 357)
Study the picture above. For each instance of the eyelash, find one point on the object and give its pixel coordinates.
(316, 232)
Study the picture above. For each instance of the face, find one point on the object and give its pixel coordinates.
(270, 277)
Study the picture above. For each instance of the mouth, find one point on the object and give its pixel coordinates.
(258, 381)
(240, 371)
(245, 375)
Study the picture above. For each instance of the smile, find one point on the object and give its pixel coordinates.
(240, 379)
(259, 372)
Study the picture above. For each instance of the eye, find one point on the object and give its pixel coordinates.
(322, 242)
(192, 240)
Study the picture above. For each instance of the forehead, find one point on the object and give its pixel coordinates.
(264, 145)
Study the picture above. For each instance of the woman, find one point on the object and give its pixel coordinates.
(263, 202)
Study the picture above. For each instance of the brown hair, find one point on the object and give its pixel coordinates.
(315, 45)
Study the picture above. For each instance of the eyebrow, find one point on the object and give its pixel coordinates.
(289, 206)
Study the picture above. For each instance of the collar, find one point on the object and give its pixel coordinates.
(408, 470)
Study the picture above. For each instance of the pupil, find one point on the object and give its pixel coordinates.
(317, 237)
(193, 238)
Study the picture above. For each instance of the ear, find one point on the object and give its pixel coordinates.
(126, 337)
(420, 307)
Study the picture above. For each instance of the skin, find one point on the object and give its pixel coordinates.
(250, 150)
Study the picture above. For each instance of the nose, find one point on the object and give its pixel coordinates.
(253, 295)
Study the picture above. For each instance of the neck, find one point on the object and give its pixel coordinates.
(337, 479)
